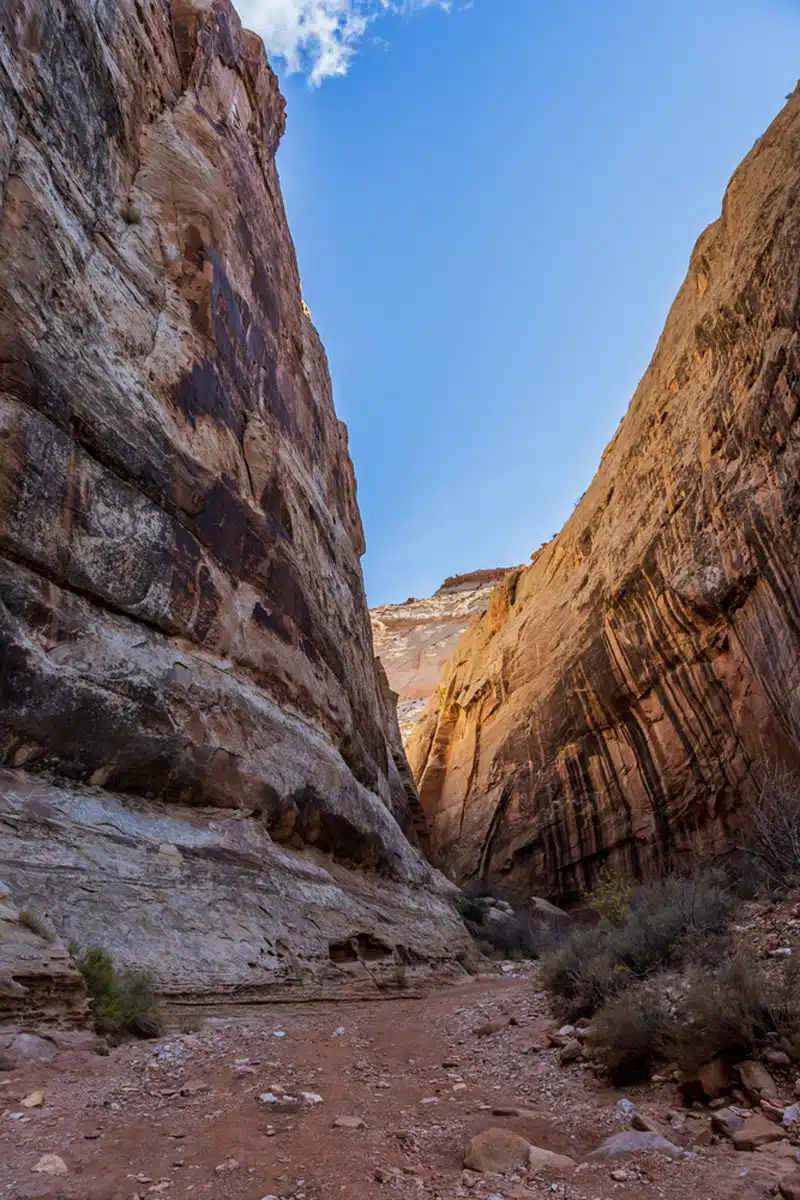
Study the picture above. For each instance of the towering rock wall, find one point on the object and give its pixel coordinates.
(415, 640)
(617, 700)
(200, 769)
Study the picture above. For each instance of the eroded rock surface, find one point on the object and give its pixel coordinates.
(415, 640)
(202, 770)
(615, 703)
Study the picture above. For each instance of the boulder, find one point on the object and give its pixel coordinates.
(756, 1131)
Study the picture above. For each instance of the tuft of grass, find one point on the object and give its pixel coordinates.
(36, 925)
(123, 1003)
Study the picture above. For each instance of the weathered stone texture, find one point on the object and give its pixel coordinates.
(415, 640)
(184, 637)
(615, 703)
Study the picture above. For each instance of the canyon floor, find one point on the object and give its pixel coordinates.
(182, 1117)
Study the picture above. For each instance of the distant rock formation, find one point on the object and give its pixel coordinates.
(414, 640)
(615, 703)
(201, 771)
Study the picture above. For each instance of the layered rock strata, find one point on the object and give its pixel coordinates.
(617, 702)
(201, 768)
(415, 640)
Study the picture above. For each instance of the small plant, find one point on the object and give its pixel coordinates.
(36, 925)
(611, 896)
(130, 213)
(632, 1033)
(191, 1023)
(123, 1003)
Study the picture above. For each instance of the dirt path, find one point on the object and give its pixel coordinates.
(182, 1117)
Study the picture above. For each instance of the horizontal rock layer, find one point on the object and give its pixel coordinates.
(415, 640)
(617, 702)
(184, 638)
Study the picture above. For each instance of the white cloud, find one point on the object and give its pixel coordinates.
(319, 36)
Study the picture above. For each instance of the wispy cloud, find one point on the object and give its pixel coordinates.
(320, 36)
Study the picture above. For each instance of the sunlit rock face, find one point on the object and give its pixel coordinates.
(415, 640)
(616, 702)
(201, 764)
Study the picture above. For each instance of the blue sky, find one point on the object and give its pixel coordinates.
(493, 208)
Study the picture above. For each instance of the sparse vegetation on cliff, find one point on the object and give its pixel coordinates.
(123, 1003)
(36, 925)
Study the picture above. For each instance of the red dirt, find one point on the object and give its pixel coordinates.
(123, 1129)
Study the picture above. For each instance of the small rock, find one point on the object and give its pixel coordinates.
(570, 1052)
(756, 1131)
(278, 1033)
(624, 1110)
(566, 1031)
(33, 1100)
(340, 1032)
(777, 1058)
(621, 1145)
(497, 1150)
(30, 1048)
(490, 1027)
(230, 1165)
(791, 1116)
(726, 1122)
(195, 1087)
(50, 1164)
(644, 1124)
(781, 952)
(349, 1123)
(756, 1078)
(790, 1188)
(311, 1098)
(547, 1160)
(620, 1175)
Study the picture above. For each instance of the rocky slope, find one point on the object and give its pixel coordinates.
(414, 640)
(201, 767)
(617, 700)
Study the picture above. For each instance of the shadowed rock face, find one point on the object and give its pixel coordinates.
(415, 640)
(615, 702)
(187, 679)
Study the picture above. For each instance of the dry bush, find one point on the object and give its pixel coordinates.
(772, 833)
(632, 1034)
(667, 923)
(36, 925)
(738, 1009)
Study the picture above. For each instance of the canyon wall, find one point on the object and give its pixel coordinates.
(200, 766)
(616, 704)
(415, 640)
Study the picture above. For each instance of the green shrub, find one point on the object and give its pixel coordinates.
(123, 1003)
(738, 1009)
(667, 923)
(631, 1034)
(36, 925)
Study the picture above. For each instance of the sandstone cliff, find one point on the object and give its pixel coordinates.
(615, 702)
(415, 640)
(200, 769)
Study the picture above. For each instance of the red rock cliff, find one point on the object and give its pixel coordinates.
(199, 768)
(616, 700)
